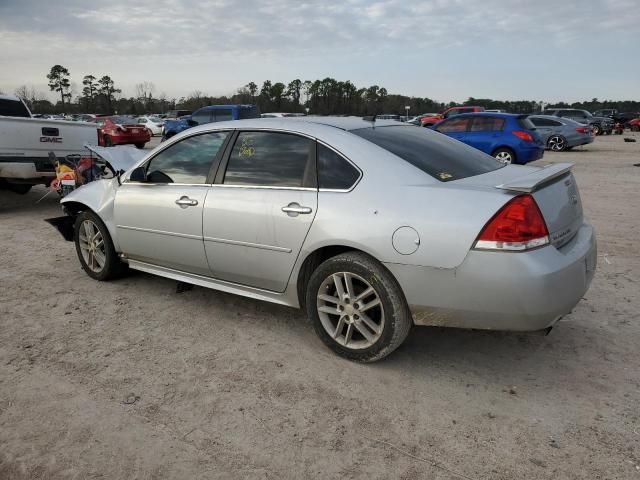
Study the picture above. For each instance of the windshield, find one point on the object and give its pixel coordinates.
(434, 153)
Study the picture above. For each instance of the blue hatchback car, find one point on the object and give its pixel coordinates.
(509, 138)
(210, 114)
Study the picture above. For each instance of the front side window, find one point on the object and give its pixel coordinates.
(487, 124)
(335, 172)
(187, 161)
(250, 112)
(269, 159)
(454, 125)
(201, 117)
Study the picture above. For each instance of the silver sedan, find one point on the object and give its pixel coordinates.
(559, 133)
(370, 226)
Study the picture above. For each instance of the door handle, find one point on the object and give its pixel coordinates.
(185, 202)
(295, 209)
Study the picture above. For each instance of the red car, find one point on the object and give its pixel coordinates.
(634, 125)
(119, 130)
(431, 120)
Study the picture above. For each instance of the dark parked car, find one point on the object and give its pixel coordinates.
(599, 125)
(509, 138)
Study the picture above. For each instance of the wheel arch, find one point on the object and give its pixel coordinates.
(505, 147)
(314, 258)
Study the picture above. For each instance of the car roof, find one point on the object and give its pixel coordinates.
(219, 107)
(10, 97)
(489, 114)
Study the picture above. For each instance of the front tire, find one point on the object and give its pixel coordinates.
(357, 307)
(95, 248)
(635, 128)
(597, 129)
(505, 155)
(140, 145)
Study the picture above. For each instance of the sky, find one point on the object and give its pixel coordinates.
(447, 50)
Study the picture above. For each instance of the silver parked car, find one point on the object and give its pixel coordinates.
(560, 134)
(370, 227)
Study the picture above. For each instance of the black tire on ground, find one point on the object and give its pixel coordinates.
(502, 152)
(113, 267)
(140, 145)
(635, 128)
(597, 130)
(397, 317)
(107, 141)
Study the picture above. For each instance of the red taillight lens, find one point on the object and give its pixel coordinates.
(517, 226)
(526, 136)
(583, 130)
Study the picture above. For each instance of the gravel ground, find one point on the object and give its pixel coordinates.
(131, 380)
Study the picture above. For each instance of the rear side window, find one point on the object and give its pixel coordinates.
(544, 122)
(187, 161)
(334, 171)
(437, 155)
(487, 124)
(13, 108)
(269, 159)
(251, 112)
(454, 125)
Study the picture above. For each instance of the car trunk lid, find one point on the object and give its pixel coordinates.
(554, 189)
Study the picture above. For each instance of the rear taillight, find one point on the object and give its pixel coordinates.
(517, 226)
(526, 136)
(583, 130)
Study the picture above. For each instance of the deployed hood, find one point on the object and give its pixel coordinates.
(122, 157)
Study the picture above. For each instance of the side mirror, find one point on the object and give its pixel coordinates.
(138, 175)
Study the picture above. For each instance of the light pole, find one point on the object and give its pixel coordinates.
(407, 108)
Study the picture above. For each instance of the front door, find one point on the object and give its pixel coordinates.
(257, 215)
(159, 220)
(484, 133)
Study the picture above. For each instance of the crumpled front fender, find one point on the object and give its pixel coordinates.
(99, 197)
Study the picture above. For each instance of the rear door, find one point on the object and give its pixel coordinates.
(484, 133)
(159, 221)
(260, 209)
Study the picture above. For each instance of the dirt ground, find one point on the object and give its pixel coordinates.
(132, 380)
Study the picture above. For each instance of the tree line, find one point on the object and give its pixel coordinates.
(321, 97)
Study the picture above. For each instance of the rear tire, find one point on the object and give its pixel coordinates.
(505, 155)
(597, 129)
(140, 145)
(107, 141)
(557, 143)
(368, 317)
(95, 248)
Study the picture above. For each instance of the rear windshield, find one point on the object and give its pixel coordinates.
(249, 113)
(123, 120)
(525, 123)
(434, 153)
(12, 108)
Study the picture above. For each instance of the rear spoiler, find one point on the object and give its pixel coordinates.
(529, 183)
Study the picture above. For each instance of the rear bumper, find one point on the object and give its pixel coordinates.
(130, 139)
(525, 291)
(529, 154)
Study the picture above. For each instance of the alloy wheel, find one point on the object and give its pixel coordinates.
(92, 246)
(504, 157)
(350, 310)
(557, 143)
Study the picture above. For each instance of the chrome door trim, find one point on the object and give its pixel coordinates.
(160, 232)
(248, 244)
(264, 187)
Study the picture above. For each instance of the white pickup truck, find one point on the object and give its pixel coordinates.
(25, 143)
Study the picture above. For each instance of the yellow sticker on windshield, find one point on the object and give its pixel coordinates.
(445, 176)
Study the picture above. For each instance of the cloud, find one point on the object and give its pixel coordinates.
(183, 34)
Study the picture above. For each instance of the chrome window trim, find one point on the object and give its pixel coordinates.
(143, 184)
(339, 190)
(265, 187)
(248, 244)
